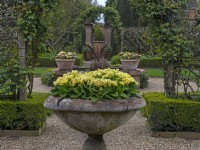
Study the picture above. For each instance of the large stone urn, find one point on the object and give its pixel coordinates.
(94, 119)
(130, 63)
(65, 64)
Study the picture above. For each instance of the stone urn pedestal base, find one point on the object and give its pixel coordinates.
(94, 119)
(94, 142)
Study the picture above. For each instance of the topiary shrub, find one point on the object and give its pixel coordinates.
(169, 114)
(98, 34)
(115, 60)
(144, 80)
(48, 77)
(23, 115)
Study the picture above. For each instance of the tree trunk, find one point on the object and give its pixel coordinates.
(169, 79)
(22, 56)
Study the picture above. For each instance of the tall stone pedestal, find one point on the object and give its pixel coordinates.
(135, 73)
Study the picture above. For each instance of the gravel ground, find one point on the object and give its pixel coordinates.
(134, 135)
(39, 87)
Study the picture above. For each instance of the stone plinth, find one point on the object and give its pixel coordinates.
(88, 32)
(135, 73)
(108, 34)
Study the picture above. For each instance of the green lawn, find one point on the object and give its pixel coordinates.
(151, 72)
(40, 70)
(154, 72)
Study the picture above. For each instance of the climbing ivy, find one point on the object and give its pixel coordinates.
(164, 20)
(33, 25)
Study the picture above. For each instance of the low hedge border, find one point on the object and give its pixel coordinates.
(144, 62)
(171, 115)
(23, 115)
(46, 62)
(150, 63)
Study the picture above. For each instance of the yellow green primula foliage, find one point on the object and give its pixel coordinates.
(95, 85)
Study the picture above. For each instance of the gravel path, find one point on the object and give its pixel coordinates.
(134, 135)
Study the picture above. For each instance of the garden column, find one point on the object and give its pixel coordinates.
(108, 34)
(88, 32)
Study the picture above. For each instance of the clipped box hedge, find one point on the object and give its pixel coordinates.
(46, 62)
(23, 115)
(171, 115)
(150, 63)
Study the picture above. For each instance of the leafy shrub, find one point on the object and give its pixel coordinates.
(48, 77)
(144, 80)
(98, 34)
(95, 85)
(168, 114)
(79, 60)
(29, 114)
(115, 60)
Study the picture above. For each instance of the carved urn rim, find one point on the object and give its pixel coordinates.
(64, 59)
(81, 105)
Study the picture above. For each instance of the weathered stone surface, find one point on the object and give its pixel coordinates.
(94, 119)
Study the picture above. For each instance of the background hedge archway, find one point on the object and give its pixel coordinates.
(111, 17)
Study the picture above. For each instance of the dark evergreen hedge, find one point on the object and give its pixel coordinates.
(23, 115)
(169, 115)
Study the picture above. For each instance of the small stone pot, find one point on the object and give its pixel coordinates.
(65, 64)
(88, 55)
(94, 119)
(130, 63)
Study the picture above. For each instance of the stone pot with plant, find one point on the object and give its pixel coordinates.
(95, 102)
(65, 60)
(88, 54)
(129, 60)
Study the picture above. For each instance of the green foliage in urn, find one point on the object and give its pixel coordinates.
(66, 55)
(95, 85)
(98, 34)
(129, 55)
